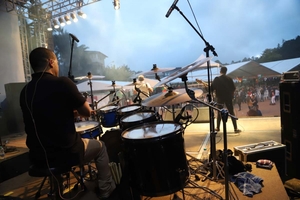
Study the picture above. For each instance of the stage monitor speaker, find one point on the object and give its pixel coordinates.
(290, 125)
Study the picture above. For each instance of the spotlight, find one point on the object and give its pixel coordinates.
(49, 28)
(67, 19)
(61, 21)
(55, 23)
(73, 16)
(81, 14)
(116, 4)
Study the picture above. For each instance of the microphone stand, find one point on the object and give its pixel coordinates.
(70, 67)
(211, 113)
(138, 98)
(224, 114)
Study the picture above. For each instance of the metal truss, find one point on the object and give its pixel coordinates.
(33, 16)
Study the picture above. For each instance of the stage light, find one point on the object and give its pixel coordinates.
(61, 21)
(55, 23)
(49, 28)
(73, 16)
(116, 4)
(81, 14)
(67, 19)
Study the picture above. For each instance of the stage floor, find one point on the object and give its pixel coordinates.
(197, 137)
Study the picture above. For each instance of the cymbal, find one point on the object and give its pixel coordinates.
(133, 84)
(171, 97)
(87, 77)
(155, 70)
(183, 71)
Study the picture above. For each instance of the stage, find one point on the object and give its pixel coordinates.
(196, 138)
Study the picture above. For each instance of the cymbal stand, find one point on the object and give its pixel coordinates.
(110, 92)
(224, 113)
(211, 113)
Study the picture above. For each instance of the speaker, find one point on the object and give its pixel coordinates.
(290, 125)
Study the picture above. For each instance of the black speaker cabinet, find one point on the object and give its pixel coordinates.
(290, 125)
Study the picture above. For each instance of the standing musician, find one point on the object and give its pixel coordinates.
(224, 87)
(48, 103)
(145, 88)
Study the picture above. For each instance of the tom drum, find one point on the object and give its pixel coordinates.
(138, 118)
(108, 116)
(88, 129)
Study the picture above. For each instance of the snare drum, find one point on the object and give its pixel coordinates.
(138, 118)
(156, 158)
(108, 116)
(88, 129)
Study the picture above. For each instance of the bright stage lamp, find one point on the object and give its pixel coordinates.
(116, 4)
(73, 16)
(81, 14)
(67, 19)
(55, 23)
(61, 21)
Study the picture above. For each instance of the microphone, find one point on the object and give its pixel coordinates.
(171, 8)
(74, 37)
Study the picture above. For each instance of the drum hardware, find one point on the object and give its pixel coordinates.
(224, 113)
(138, 98)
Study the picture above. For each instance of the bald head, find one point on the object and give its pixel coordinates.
(39, 58)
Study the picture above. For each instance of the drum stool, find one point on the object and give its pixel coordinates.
(55, 173)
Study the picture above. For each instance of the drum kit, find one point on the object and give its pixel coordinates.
(153, 148)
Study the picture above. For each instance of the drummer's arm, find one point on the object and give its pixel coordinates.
(84, 110)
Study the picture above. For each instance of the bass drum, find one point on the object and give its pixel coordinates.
(156, 158)
(138, 118)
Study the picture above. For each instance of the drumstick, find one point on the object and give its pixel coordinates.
(111, 103)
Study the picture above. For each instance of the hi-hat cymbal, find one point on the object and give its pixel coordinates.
(183, 71)
(87, 77)
(171, 97)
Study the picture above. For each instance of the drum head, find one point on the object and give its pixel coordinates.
(137, 116)
(130, 108)
(108, 108)
(151, 130)
(81, 127)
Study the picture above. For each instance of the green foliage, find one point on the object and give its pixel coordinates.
(82, 63)
(289, 49)
(122, 73)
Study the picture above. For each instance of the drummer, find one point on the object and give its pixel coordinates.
(145, 88)
(47, 103)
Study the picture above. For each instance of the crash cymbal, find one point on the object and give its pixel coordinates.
(89, 77)
(155, 70)
(183, 71)
(171, 97)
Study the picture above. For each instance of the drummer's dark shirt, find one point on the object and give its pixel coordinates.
(52, 100)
